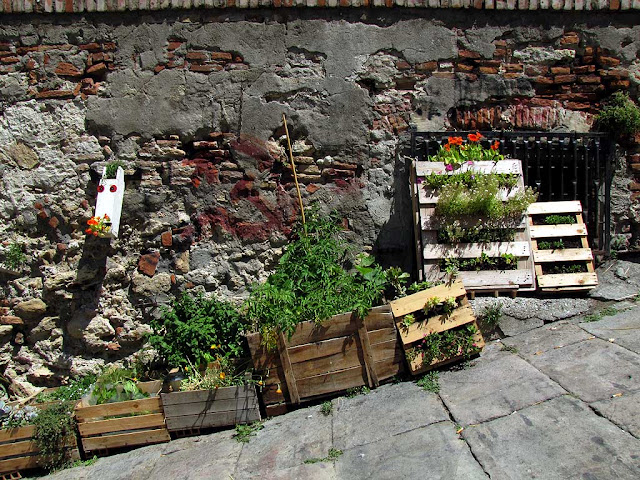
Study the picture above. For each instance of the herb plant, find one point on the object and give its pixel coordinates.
(54, 425)
(621, 116)
(14, 258)
(559, 219)
(194, 328)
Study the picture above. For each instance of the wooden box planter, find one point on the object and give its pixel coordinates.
(411, 335)
(133, 423)
(18, 450)
(578, 254)
(222, 407)
(344, 352)
(430, 252)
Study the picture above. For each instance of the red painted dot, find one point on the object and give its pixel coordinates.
(100, 188)
(113, 188)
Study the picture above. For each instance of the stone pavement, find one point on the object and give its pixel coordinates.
(558, 398)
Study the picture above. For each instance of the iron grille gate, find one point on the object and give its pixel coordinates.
(561, 166)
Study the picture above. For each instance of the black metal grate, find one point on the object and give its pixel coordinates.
(561, 166)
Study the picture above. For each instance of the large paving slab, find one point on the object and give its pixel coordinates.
(623, 327)
(619, 280)
(623, 410)
(432, 452)
(315, 471)
(558, 439)
(511, 326)
(549, 337)
(286, 442)
(592, 369)
(386, 411)
(499, 384)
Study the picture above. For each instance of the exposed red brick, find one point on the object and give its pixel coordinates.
(570, 39)
(402, 65)
(205, 68)
(98, 57)
(577, 106)
(488, 70)
(619, 84)
(201, 56)
(561, 70)
(92, 47)
(544, 80)
(68, 70)
(608, 61)
(221, 56)
(427, 67)
(30, 64)
(97, 69)
(588, 51)
(589, 79)
(499, 52)
(54, 222)
(542, 102)
(173, 279)
(514, 67)
(148, 263)
(464, 67)
(564, 79)
(584, 69)
(511, 75)
(113, 346)
(173, 45)
(62, 247)
(535, 70)
(468, 54)
(614, 73)
(8, 60)
(312, 188)
(109, 46)
(167, 239)
(614, 4)
(158, 68)
(55, 94)
(189, 285)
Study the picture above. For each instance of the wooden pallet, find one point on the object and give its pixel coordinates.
(19, 452)
(561, 282)
(431, 253)
(133, 423)
(411, 335)
(344, 352)
(210, 408)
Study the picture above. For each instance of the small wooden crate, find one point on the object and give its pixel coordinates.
(560, 282)
(431, 253)
(133, 423)
(415, 332)
(344, 352)
(210, 408)
(18, 450)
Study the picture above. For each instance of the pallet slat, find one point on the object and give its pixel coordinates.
(418, 330)
(556, 231)
(549, 208)
(565, 255)
(416, 301)
(224, 393)
(567, 280)
(152, 404)
(120, 424)
(212, 420)
(131, 439)
(474, 250)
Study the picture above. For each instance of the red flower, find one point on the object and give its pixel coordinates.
(92, 221)
(455, 140)
(474, 137)
(447, 147)
(88, 230)
(496, 145)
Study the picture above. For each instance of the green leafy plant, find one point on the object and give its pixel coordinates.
(469, 178)
(453, 232)
(490, 316)
(620, 116)
(565, 267)
(559, 219)
(74, 391)
(408, 320)
(332, 456)
(355, 391)
(219, 373)
(195, 328)
(312, 281)
(397, 279)
(326, 408)
(14, 258)
(84, 463)
(116, 385)
(506, 261)
(54, 426)
(430, 382)
(111, 170)
(551, 245)
(419, 286)
(245, 432)
(605, 312)
(458, 151)
(448, 344)
(436, 306)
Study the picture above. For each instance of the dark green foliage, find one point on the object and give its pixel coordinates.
(454, 233)
(74, 391)
(111, 169)
(566, 267)
(53, 426)
(15, 258)
(312, 281)
(448, 344)
(506, 261)
(621, 116)
(194, 328)
(559, 219)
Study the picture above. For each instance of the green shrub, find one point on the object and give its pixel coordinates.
(15, 258)
(53, 426)
(621, 116)
(194, 328)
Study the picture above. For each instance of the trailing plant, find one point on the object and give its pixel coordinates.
(454, 233)
(115, 385)
(470, 179)
(74, 391)
(54, 425)
(457, 151)
(448, 344)
(195, 328)
(14, 258)
(559, 219)
(312, 281)
(482, 200)
(506, 261)
(621, 116)
(111, 170)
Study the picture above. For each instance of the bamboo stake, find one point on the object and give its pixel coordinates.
(293, 166)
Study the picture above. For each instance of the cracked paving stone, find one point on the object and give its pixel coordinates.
(511, 326)
(624, 327)
(432, 452)
(623, 410)
(546, 338)
(559, 439)
(494, 387)
(593, 370)
(386, 411)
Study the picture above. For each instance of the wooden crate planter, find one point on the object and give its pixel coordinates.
(133, 423)
(344, 352)
(581, 254)
(200, 409)
(411, 335)
(430, 253)
(18, 450)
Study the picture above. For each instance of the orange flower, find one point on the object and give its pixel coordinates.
(496, 145)
(447, 147)
(95, 234)
(222, 375)
(455, 140)
(92, 221)
(279, 390)
(474, 137)
(88, 230)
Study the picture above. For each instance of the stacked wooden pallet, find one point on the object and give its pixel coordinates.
(520, 279)
(344, 352)
(566, 247)
(431, 322)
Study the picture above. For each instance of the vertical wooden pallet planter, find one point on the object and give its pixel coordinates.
(18, 450)
(411, 335)
(431, 253)
(199, 409)
(578, 254)
(133, 423)
(344, 352)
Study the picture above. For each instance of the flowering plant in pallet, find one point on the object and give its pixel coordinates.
(99, 226)
(457, 152)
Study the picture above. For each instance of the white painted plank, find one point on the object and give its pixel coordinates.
(474, 250)
(546, 208)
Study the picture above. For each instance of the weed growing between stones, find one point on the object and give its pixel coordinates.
(355, 391)
(605, 312)
(245, 432)
(429, 382)
(326, 408)
(332, 456)
(15, 258)
(508, 348)
(490, 317)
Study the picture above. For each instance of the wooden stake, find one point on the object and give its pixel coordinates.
(293, 166)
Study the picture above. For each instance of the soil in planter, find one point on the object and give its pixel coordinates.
(564, 267)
